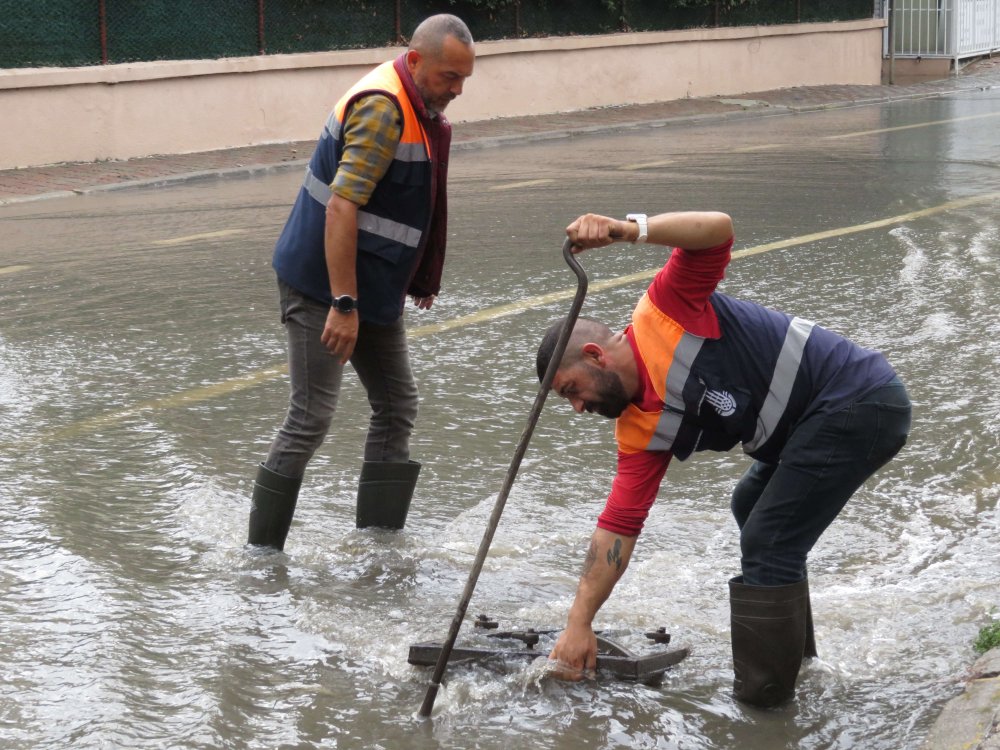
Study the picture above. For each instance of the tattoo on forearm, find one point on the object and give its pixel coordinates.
(591, 557)
(615, 555)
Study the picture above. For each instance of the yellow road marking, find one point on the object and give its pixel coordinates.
(646, 165)
(13, 269)
(761, 147)
(196, 237)
(898, 219)
(233, 385)
(908, 127)
(526, 183)
(855, 134)
(183, 398)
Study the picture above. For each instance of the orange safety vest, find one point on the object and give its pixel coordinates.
(392, 227)
(385, 80)
(668, 352)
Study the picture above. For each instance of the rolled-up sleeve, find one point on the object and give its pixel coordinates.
(371, 135)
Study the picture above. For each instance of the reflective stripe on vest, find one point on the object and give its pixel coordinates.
(318, 190)
(405, 151)
(668, 352)
(393, 230)
(413, 147)
(780, 389)
(369, 222)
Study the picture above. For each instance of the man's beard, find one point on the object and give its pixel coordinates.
(434, 107)
(612, 399)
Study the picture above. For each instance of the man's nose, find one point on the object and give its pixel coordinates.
(578, 405)
(456, 87)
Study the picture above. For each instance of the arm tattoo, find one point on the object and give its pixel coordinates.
(615, 555)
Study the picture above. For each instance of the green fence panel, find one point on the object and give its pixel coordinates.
(836, 10)
(179, 30)
(666, 15)
(568, 17)
(68, 32)
(495, 20)
(62, 33)
(770, 13)
(319, 25)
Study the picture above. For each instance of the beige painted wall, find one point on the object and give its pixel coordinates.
(50, 115)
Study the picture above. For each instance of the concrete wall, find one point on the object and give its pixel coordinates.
(52, 115)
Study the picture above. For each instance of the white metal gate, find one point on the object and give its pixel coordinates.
(942, 28)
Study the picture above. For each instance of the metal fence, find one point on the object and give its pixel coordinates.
(955, 29)
(66, 33)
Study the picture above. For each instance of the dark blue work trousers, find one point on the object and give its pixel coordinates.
(782, 509)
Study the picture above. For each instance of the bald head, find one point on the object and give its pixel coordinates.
(586, 331)
(428, 38)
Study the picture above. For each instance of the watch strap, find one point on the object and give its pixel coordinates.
(345, 304)
(643, 222)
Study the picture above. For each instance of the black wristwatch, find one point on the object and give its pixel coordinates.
(345, 303)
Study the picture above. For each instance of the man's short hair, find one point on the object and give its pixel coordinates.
(429, 36)
(586, 330)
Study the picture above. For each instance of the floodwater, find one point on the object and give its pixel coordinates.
(141, 380)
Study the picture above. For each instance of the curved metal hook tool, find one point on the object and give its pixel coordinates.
(522, 446)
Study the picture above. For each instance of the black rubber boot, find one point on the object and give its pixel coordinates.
(769, 633)
(809, 650)
(384, 493)
(274, 498)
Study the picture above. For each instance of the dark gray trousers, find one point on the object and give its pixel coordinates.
(382, 361)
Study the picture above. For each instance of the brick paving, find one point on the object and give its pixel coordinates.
(32, 183)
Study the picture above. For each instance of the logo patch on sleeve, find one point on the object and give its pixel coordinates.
(722, 401)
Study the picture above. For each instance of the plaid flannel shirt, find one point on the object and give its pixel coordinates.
(372, 130)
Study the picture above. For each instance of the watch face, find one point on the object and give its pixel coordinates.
(344, 303)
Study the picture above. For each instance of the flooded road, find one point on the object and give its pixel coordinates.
(142, 378)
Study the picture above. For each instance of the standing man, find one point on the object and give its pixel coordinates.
(368, 228)
(698, 370)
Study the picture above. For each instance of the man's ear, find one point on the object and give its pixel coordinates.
(593, 353)
(412, 59)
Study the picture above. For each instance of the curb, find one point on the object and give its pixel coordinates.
(249, 170)
(971, 720)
